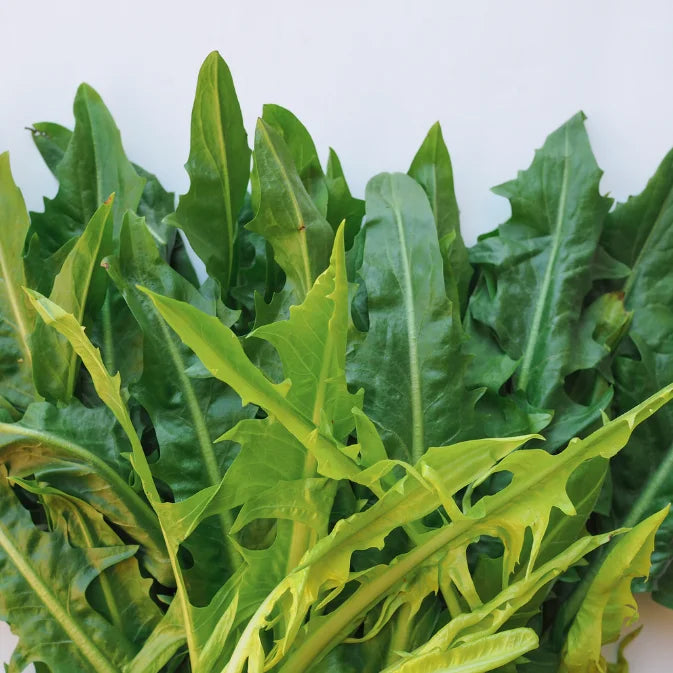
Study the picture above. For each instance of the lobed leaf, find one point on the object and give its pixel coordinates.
(608, 603)
(536, 272)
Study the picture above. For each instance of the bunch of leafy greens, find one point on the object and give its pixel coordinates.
(329, 454)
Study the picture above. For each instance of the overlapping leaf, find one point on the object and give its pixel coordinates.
(79, 451)
(119, 593)
(541, 477)
(198, 625)
(276, 473)
(189, 410)
(342, 206)
(155, 203)
(303, 152)
(93, 167)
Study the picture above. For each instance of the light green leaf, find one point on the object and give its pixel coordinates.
(219, 169)
(609, 604)
(523, 507)
(16, 317)
(432, 169)
(222, 354)
(287, 217)
(327, 565)
(79, 288)
(107, 386)
(303, 152)
(485, 654)
(312, 348)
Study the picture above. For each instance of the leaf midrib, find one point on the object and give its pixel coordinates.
(223, 175)
(21, 325)
(417, 445)
(89, 650)
(534, 332)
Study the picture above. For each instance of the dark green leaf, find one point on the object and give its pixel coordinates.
(639, 233)
(79, 451)
(410, 363)
(187, 413)
(536, 274)
(341, 205)
(119, 593)
(93, 167)
(51, 141)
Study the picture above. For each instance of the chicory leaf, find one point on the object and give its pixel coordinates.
(219, 169)
(409, 362)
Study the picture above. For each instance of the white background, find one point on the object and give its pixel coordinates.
(367, 78)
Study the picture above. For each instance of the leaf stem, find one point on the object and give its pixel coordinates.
(399, 640)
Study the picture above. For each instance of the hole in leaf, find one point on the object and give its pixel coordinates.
(258, 534)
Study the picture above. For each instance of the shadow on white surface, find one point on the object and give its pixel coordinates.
(651, 652)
